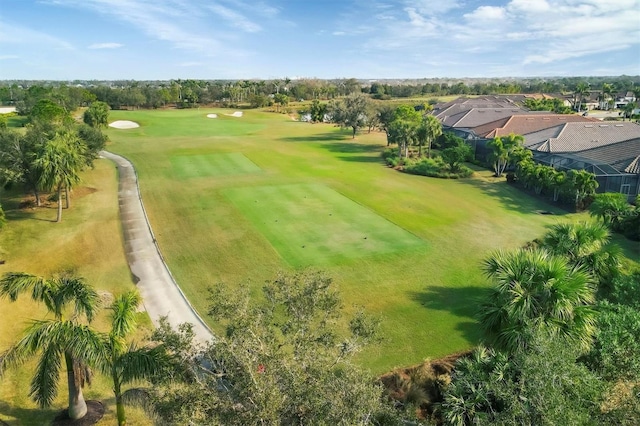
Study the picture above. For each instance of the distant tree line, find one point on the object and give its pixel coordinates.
(258, 93)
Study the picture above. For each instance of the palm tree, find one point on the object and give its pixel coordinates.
(582, 90)
(585, 244)
(611, 208)
(402, 132)
(583, 183)
(558, 179)
(56, 338)
(535, 290)
(502, 148)
(606, 93)
(428, 130)
(61, 161)
(628, 109)
(127, 363)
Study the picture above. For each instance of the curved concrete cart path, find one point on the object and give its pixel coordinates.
(161, 294)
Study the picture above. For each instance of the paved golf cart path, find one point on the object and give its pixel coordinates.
(160, 293)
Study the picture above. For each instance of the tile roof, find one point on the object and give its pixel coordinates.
(465, 104)
(527, 123)
(477, 116)
(623, 156)
(577, 136)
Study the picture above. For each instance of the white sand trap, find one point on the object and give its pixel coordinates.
(7, 110)
(235, 114)
(212, 115)
(124, 124)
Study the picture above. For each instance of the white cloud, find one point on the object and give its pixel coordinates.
(486, 13)
(105, 46)
(175, 21)
(7, 57)
(234, 18)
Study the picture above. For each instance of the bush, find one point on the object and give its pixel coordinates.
(435, 167)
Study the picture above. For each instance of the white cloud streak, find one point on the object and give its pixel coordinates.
(234, 18)
(105, 46)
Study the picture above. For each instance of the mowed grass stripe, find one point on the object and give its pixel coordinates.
(224, 164)
(311, 224)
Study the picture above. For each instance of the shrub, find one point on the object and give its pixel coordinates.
(435, 167)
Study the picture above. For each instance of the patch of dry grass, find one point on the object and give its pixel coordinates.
(88, 242)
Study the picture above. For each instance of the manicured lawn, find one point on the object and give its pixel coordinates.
(88, 243)
(313, 225)
(193, 166)
(419, 268)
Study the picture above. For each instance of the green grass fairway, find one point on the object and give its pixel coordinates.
(312, 225)
(419, 268)
(195, 166)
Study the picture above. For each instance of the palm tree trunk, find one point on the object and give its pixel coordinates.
(36, 193)
(59, 219)
(122, 417)
(77, 406)
(66, 197)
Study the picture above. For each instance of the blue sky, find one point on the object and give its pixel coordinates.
(229, 39)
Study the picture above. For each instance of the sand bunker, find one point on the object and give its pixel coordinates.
(212, 115)
(235, 114)
(7, 110)
(124, 124)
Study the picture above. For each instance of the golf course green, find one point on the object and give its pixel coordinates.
(237, 199)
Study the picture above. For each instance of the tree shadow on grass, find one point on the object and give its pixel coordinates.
(318, 137)
(340, 143)
(513, 198)
(16, 215)
(354, 152)
(462, 302)
(24, 416)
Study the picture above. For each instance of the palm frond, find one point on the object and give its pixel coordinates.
(75, 290)
(143, 363)
(14, 283)
(123, 313)
(44, 385)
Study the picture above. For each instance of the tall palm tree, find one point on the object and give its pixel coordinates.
(606, 94)
(127, 363)
(428, 130)
(535, 290)
(61, 161)
(582, 91)
(56, 338)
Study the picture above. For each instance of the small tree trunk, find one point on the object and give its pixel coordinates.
(77, 406)
(353, 136)
(59, 219)
(36, 193)
(67, 200)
